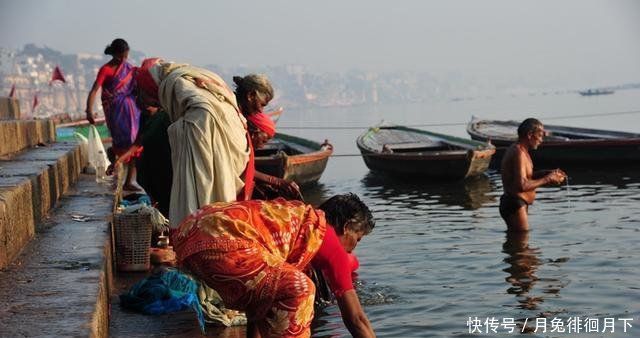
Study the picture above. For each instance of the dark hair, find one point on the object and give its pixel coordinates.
(258, 83)
(117, 46)
(527, 126)
(349, 209)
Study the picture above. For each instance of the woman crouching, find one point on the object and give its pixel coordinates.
(253, 253)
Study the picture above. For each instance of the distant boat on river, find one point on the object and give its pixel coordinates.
(591, 92)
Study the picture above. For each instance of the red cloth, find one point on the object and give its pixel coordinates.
(36, 102)
(354, 263)
(147, 86)
(263, 122)
(249, 174)
(13, 90)
(334, 262)
(253, 253)
(57, 75)
(106, 73)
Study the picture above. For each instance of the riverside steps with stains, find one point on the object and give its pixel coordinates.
(55, 254)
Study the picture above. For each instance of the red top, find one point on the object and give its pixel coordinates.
(333, 260)
(249, 173)
(105, 73)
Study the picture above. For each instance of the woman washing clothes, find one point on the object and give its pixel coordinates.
(253, 253)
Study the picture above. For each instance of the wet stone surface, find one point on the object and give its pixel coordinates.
(52, 288)
(128, 324)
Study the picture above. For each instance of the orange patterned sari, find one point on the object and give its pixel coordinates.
(253, 253)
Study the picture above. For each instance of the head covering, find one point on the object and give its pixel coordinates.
(147, 86)
(263, 122)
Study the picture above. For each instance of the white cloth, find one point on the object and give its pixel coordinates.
(209, 149)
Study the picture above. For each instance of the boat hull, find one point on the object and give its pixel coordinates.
(444, 164)
(450, 166)
(304, 169)
(612, 147)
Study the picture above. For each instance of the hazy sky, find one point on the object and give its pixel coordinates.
(576, 40)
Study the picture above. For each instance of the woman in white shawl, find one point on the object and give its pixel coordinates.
(211, 152)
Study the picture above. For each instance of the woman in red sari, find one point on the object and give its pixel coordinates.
(121, 113)
(253, 253)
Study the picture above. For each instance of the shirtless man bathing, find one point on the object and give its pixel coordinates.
(518, 178)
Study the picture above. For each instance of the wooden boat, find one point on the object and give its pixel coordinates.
(563, 145)
(401, 150)
(293, 158)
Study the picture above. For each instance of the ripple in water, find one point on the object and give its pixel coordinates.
(439, 254)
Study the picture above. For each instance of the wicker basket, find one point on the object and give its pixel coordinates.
(132, 234)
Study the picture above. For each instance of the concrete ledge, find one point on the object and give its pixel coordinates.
(33, 180)
(17, 135)
(59, 285)
(16, 219)
(66, 158)
(9, 108)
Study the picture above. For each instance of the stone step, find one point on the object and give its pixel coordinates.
(59, 285)
(31, 182)
(17, 135)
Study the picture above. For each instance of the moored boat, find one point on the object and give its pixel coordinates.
(293, 158)
(401, 150)
(569, 145)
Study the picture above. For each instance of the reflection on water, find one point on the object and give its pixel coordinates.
(523, 262)
(620, 177)
(316, 193)
(470, 194)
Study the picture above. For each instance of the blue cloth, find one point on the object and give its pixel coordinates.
(138, 199)
(168, 291)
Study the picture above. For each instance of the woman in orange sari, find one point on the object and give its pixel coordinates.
(253, 253)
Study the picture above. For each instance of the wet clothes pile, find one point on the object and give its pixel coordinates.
(171, 290)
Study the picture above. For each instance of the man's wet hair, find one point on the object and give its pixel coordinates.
(348, 208)
(529, 125)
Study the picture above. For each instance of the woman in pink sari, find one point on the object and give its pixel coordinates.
(121, 113)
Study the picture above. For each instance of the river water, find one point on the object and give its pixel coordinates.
(439, 263)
